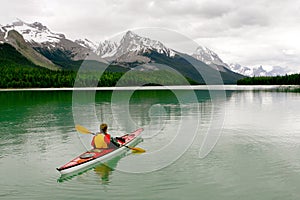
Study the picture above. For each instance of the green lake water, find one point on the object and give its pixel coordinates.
(257, 154)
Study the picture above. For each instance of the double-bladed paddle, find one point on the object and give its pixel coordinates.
(84, 130)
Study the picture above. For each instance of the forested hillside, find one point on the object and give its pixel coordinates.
(10, 57)
(16, 71)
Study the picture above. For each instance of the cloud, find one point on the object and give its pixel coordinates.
(249, 16)
(181, 9)
(250, 32)
(10, 10)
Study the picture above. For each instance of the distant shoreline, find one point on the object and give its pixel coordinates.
(185, 87)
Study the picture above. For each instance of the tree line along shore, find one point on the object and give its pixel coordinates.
(293, 79)
(37, 77)
(28, 77)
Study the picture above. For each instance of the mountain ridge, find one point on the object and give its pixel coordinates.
(131, 51)
(47, 43)
(17, 41)
(260, 70)
(53, 46)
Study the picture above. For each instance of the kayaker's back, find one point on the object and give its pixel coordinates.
(99, 141)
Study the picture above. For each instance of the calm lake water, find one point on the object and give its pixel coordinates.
(257, 155)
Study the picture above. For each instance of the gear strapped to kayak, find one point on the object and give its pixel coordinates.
(87, 155)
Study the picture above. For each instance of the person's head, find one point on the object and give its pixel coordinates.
(103, 128)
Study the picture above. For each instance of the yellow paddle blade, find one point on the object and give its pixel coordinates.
(137, 150)
(82, 129)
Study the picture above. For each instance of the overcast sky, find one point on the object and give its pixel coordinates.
(249, 32)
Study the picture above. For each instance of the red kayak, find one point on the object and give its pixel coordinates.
(93, 156)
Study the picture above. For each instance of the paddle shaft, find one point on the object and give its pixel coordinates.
(127, 147)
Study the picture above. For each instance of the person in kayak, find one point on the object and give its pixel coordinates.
(103, 140)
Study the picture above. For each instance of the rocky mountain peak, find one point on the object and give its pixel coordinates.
(130, 34)
(39, 26)
(207, 56)
(107, 49)
(131, 42)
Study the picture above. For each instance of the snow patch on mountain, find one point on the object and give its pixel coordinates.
(207, 56)
(210, 58)
(235, 67)
(87, 44)
(107, 49)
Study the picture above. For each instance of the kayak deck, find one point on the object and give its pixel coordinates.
(100, 155)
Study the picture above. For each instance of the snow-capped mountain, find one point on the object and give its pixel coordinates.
(35, 32)
(260, 71)
(132, 42)
(241, 70)
(131, 49)
(130, 52)
(144, 54)
(212, 59)
(277, 70)
(52, 45)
